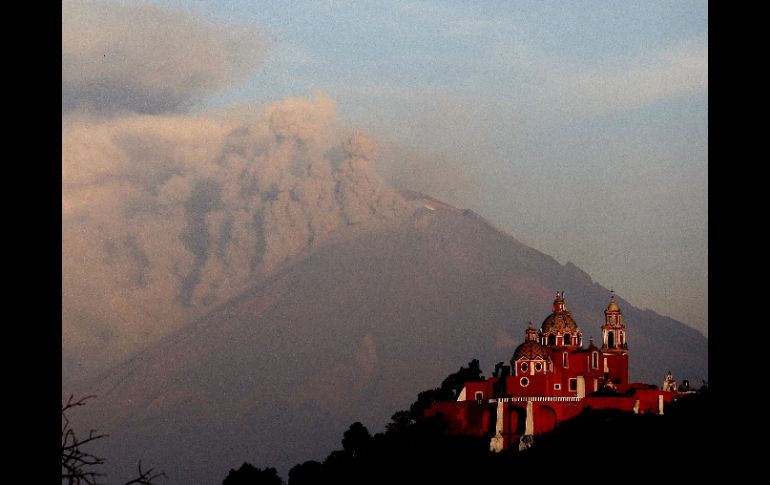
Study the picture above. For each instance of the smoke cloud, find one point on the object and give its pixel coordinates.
(146, 59)
(442, 176)
(166, 214)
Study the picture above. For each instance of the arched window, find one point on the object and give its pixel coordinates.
(564, 360)
(524, 366)
(567, 339)
(611, 339)
(479, 395)
(595, 360)
(538, 366)
(552, 339)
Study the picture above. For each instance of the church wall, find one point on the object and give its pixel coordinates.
(537, 385)
(618, 366)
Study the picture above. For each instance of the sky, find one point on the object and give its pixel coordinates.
(580, 128)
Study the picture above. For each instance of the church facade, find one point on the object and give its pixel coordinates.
(553, 375)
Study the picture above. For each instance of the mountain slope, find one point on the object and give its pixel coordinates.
(350, 333)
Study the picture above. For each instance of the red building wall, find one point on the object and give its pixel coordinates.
(618, 367)
(479, 418)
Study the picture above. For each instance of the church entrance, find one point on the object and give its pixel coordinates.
(517, 420)
(545, 419)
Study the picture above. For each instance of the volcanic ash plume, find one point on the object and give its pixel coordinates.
(165, 216)
(146, 59)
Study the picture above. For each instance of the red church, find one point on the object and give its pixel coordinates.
(552, 378)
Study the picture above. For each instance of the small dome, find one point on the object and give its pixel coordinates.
(530, 350)
(560, 321)
(613, 306)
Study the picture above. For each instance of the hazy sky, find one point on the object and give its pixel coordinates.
(580, 128)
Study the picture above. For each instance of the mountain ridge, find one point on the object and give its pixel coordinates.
(351, 331)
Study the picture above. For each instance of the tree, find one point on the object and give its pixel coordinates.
(307, 473)
(248, 474)
(78, 466)
(399, 422)
(449, 390)
(454, 382)
(356, 440)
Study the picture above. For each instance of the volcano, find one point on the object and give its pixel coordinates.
(351, 331)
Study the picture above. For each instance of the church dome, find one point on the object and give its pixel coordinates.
(560, 321)
(613, 306)
(530, 350)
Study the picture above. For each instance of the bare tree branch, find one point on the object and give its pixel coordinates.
(77, 465)
(145, 477)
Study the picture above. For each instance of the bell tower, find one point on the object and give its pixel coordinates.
(613, 330)
(614, 345)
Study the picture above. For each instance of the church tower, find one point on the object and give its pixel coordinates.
(613, 330)
(614, 345)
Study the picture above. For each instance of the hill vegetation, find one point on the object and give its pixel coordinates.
(417, 449)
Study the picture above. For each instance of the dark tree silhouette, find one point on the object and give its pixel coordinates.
(308, 473)
(399, 422)
(78, 466)
(248, 474)
(356, 440)
(421, 449)
(145, 477)
(449, 390)
(455, 382)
